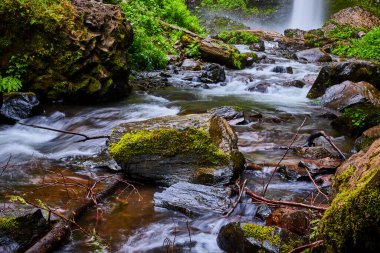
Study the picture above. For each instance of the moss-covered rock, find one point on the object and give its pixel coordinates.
(66, 50)
(248, 237)
(197, 148)
(368, 137)
(352, 222)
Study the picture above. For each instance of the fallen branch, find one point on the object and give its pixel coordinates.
(6, 165)
(315, 184)
(60, 230)
(282, 158)
(307, 246)
(241, 190)
(283, 203)
(86, 138)
(315, 135)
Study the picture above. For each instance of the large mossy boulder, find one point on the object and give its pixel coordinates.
(352, 222)
(73, 51)
(250, 238)
(355, 71)
(198, 148)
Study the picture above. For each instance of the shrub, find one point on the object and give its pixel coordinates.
(367, 47)
(151, 43)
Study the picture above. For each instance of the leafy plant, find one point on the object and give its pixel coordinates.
(237, 37)
(193, 51)
(9, 84)
(367, 47)
(345, 32)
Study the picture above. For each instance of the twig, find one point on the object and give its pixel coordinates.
(283, 203)
(86, 138)
(282, 158)
(6, 165)
(307, 246)
(241, 190)
(315, 135)
(315, 184)
(188, 229)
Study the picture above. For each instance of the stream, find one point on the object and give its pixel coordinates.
(134, 224)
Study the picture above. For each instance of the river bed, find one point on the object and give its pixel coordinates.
(130, 222)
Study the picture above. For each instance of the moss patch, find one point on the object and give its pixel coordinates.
(261, 233)
(7, 223)
(353, 219)
(167, 143)
(237, 37)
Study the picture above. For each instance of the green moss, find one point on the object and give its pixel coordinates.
(261, 233)
(167, 143)
(352, 221)
(341, 180)
(7, 223)
(345, 32)
(237, 37)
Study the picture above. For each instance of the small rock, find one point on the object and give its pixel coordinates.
(295, 83)
(193, 199)
(259, 46)
(213, 73)
(282, 69)
(190, 64)
(227, 112)
(313, 55)
(263, 211)
(295, 221)
(265, 60)
(260, 87)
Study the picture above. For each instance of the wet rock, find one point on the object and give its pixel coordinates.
(326, 165)
(324, 180)
(355, 71)
(227, 112)
(190, 64)
(357, 198)
(282, 69)
(259, 46)
(213, 73)
(295, 221)
(265, 60)
(314, 152)
(253, 166)
(295, 83)
(367, 138)
(310, 78)
(260, 87)
(176, 148)
(194, 200)
(313, 55)
(247, 237)
(295, 33)
(293, 172)
(356, 17)
(19, 233)
(348, 94)
(19, 105)
(263, 211)
(147, 81)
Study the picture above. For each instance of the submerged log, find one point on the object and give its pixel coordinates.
(61, 230)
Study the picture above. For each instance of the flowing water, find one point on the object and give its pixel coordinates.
(130, 222)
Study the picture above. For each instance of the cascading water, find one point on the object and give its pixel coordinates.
(307, 14)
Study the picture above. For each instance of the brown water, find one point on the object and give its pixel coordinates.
(129, 222)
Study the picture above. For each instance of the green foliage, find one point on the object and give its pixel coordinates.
(367, 47)
(261, 233)
(192, 51)
(361, 118)
(9, 84)
(345, 32)
(372, 5)
(51, 14)
(167, 143)
(230, 5)
(237, 37)
(151, 42)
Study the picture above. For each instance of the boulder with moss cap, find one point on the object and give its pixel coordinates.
(198, 148)
(352, 222)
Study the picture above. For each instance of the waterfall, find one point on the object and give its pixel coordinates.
(307, 14)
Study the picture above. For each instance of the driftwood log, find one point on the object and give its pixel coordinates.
(61, 229)
(213, 50)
